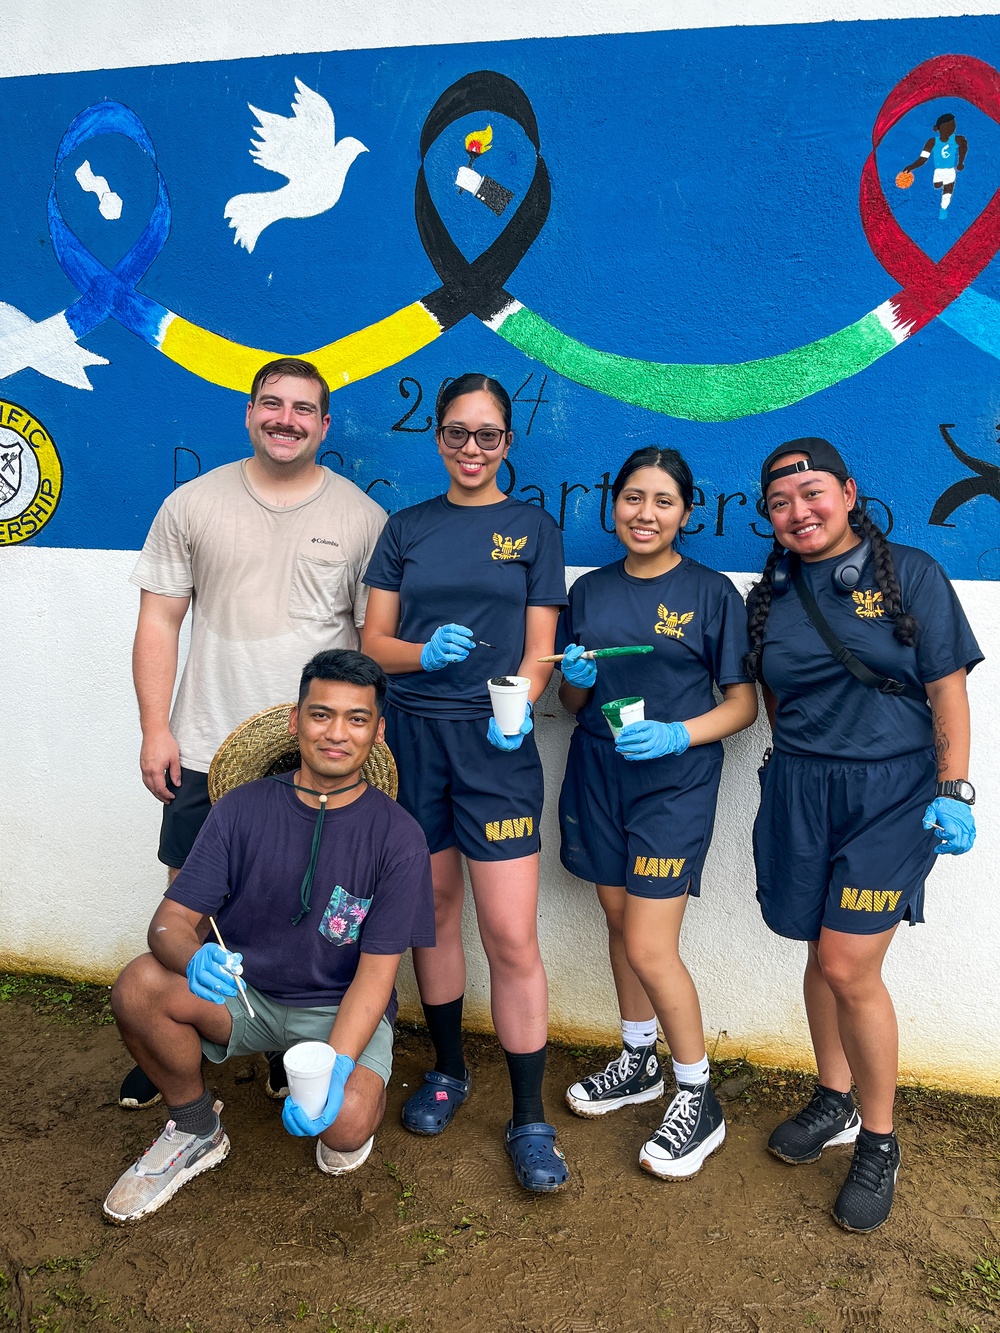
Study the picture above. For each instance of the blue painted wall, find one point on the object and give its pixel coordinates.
(704, 209)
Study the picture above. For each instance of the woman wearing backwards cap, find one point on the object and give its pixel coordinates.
(864, 786)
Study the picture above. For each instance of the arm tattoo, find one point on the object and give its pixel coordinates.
(941, 745)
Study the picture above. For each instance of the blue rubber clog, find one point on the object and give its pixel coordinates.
(538, 1163)
(432, 1106)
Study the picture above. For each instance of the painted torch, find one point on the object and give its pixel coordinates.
(495, 196)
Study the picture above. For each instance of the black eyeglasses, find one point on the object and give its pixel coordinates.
(487, 437)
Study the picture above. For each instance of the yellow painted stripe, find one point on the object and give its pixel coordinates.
(353, 357)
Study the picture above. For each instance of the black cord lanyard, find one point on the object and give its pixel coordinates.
(305, 888)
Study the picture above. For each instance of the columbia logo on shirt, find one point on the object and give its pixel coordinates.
(868, 900)
(507, 548)
(657, 867)
(499, 829)
(868, 604)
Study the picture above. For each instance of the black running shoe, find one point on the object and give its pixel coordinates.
(692, 1128)
(277, 1080)
(137, 1091)
(825, 1122)
(632, 1077)
(866, 1199)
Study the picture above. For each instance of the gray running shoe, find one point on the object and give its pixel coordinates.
(630, 1078)
(866, 1199)
(170, 1162)
(334, 1163)
(825, 1122)
(693, 1128)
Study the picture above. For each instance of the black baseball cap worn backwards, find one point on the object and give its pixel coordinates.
(820, 456)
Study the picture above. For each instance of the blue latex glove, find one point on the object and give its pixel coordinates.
(958, 826)
(211, 972)
(581, 672)
(295, 1119)
(496, 737)
(652, 740)
(448, 643)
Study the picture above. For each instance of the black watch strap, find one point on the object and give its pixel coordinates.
(958, 790)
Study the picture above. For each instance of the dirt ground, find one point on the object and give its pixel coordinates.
(432, 1236)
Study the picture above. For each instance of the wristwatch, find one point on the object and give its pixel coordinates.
(958, 789)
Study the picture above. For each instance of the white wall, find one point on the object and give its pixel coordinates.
(80, 878)
(78, 874)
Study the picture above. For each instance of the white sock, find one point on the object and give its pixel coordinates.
(690, 1074)
(641, 1034)
(945, 200)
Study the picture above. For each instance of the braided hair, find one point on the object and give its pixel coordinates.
(905, 627)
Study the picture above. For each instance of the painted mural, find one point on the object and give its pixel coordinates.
(716, 240)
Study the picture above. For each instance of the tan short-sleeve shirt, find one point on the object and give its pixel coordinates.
(269, 588)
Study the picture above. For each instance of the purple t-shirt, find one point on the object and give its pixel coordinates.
(371, 890)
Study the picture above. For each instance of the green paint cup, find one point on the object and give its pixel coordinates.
(620, 712)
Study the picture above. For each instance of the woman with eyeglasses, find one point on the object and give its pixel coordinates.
(637, 809)
(465, 588)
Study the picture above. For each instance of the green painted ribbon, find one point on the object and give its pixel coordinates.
(705, 392)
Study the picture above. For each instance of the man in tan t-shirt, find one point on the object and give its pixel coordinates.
(269, 553)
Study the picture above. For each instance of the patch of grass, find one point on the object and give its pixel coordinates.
(407, 1190)
(55, 998)
(968, 1289)
(8, 1315)
(354, 1319)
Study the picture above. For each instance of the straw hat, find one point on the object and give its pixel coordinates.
(261, 747)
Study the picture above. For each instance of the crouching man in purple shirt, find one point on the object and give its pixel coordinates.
(318, 883)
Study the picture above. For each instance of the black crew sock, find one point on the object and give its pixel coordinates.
(832, 1094)
(526, 1072)
(876, 1139)
(195, 1117)
(444, 1023)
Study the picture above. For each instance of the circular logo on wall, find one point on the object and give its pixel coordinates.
(30, 474)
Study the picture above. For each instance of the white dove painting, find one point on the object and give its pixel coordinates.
(304, 148)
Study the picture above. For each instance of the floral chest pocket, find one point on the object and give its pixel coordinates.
(344, 914)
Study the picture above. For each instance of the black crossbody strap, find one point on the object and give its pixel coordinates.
(873, 679)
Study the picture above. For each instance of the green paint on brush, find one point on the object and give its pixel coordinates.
(704, 392)
(620, 652)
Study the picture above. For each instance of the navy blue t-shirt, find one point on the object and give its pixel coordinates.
(478, 566)
(692, 615)
(821, 708)
(371, 891)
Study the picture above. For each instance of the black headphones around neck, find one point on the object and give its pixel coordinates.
(846, 573)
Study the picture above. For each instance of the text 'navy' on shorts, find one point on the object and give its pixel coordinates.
(645, 824)
(463, 791)
(839, 843)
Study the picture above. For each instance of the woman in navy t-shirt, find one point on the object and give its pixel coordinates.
(465, 588)
(636, 815)
(865, 785)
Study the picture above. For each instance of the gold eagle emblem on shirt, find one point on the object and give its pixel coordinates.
(507, 548)
(670, 622)
(868, 604)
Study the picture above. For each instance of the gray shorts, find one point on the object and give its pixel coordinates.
(278, 1026)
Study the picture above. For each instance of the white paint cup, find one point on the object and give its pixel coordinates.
(309, 1066)
(510, 702)
(620, 712)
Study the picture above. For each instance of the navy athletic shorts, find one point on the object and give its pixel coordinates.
(646, 824)
(463, 791)
(183, 817)
(839, 843)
